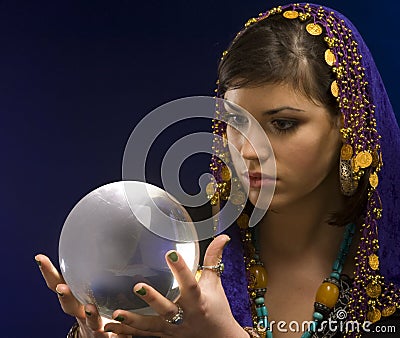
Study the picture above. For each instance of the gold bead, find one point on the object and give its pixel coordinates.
(243, 221)
(327, 294)
(258, 277)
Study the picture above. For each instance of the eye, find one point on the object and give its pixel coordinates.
(284, 125)
(237, 121)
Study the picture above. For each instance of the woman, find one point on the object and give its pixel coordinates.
(305, 75)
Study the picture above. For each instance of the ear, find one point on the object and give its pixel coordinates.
(338, 121)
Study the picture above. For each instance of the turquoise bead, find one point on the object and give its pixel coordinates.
(259, 312)
(336, 265)
(259, 300)
(313, 326)
(269, 334)
(306, 334)
(318, 316)
(264, 311)
(335, 275)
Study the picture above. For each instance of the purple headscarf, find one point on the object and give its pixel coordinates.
(234, 278)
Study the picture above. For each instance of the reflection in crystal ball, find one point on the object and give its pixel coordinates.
(106, 247)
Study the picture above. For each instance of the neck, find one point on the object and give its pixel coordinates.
(301, 229)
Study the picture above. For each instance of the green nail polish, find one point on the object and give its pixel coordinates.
(88, 313)
(119, 318)
(173, 257)
(39, 263)
(141, 291)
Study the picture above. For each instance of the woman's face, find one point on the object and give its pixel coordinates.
(304, 136)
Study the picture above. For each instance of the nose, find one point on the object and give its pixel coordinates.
(247, 150)
(255, 148)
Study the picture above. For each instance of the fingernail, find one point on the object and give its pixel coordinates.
(59, 293)
(173, 257)
(39, 263)
(227, 242)
(88, 313)
(119, 318)
(141, 291)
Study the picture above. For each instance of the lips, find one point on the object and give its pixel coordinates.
(258, 179)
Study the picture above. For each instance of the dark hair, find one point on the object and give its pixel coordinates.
(279, 50)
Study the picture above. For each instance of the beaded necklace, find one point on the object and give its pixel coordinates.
(326, 296)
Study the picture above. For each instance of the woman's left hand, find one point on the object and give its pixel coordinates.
(206, 311)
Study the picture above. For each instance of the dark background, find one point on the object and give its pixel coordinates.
(75, 78)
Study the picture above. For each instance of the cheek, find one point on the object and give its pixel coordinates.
(308, 155)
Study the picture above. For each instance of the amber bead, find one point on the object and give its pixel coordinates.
(258, 277)
(327, 294)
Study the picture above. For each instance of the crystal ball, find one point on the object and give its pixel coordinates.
(110, 241)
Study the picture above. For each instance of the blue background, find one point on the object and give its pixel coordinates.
(75, 78)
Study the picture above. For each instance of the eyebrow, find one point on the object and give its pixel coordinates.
(277, 110)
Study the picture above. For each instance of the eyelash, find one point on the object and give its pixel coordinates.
(238, 121)
(293, 126)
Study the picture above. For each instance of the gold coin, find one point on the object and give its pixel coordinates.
(237, 197)
(373, 315)
(363, 159)
(314, 29)
(355, 166)
(346, 152)
(330, 58)
(388, 310)
(225, 173)
(373, 290)
(335, 89)
(375, 158)
(243, 221)
(210, 189)
(373, 180)
(291, 14)
(373, 261)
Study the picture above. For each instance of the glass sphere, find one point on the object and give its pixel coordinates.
(107, 245)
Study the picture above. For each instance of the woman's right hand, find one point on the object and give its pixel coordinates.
(89, 320)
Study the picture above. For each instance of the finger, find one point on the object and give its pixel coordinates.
(49, 272)
(213, 257)
(135, 324)
(93, 318)
(163, 306)
(69, 303)
(189, 288)
(214, 251)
